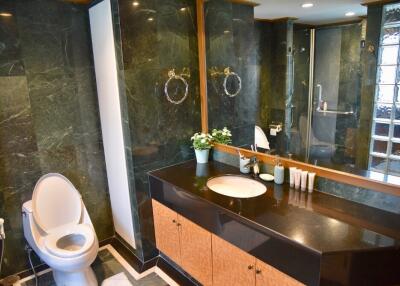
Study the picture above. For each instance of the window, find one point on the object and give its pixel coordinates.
(385, 140)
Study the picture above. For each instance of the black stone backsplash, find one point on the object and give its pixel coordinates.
(49, 119)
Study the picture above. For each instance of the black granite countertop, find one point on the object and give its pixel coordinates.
(319, 222)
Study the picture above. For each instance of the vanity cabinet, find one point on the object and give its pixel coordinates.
(208, 258)
(184, 242)
(268, 275)
(231, 266)
(167, 231)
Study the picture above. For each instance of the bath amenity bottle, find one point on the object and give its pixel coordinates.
(279, 172)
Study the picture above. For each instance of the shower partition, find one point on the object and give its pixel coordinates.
(322, 93)
(337, 82)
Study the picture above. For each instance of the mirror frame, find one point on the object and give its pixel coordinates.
(335, 175)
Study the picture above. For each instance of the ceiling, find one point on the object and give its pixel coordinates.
(323, 11)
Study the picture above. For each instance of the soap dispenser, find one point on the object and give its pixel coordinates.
(279, 172)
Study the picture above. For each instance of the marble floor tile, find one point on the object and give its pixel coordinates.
(105, 266)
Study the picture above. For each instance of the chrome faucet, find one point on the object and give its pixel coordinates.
(254, 165)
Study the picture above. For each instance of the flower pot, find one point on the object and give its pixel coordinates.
(202, 156)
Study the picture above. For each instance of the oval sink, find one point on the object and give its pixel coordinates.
(236, 186)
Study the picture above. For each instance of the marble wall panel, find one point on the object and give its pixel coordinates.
(152, 39)
(49, 118)
(231, 41)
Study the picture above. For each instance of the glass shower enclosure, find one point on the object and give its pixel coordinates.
(324, 118)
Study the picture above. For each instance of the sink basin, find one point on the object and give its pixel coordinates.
(236, 186)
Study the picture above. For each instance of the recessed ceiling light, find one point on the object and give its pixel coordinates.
(5, 14)
(349, 14)
(151, 19)
(183, 9)
(307, 5)
(135, 3)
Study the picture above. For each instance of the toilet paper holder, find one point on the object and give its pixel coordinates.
(275, 128)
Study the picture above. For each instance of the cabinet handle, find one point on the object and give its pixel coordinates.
(173, 221)
(258, 271)
(250, 267)
(178, 224)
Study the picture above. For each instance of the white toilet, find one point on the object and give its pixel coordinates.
(58, 228)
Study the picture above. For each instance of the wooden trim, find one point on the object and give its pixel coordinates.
(201, 39)
(244, 2)
(80, 2)
(378, 2)
(340, 23)
(276, 20)
(334, 175)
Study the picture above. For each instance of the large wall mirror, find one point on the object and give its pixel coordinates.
(317, 83)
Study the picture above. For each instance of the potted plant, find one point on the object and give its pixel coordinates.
(222, 136)
(202, 144)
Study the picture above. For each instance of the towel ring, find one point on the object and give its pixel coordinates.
(172, 75)
(228, 73)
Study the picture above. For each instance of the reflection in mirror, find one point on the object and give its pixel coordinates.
(317, 84)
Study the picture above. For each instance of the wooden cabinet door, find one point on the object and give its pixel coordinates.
(166, 231)
(266, 275)
(231, 266)
(196, 256)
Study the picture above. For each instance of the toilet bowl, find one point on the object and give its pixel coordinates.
(58, 228)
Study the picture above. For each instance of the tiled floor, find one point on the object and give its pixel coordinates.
(107, 264)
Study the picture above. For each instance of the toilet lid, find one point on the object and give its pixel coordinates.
(55, 202)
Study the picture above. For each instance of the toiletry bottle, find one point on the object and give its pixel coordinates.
(279, 172)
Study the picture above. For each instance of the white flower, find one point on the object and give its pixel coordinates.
(203, 135)
(224, 133)
(214, 134)
(203, 141)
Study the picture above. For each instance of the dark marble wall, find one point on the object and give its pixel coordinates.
(273, 50)
(272, 61)
(152, 39)
(231, 42)
(299, 102)
(49, 119)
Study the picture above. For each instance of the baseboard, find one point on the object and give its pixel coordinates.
(129, 255)
(175, 272)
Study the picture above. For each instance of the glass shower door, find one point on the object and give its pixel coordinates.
(336, 95)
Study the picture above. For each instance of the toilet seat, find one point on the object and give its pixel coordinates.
(70, 241)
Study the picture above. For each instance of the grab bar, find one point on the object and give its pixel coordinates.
(335, 111)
